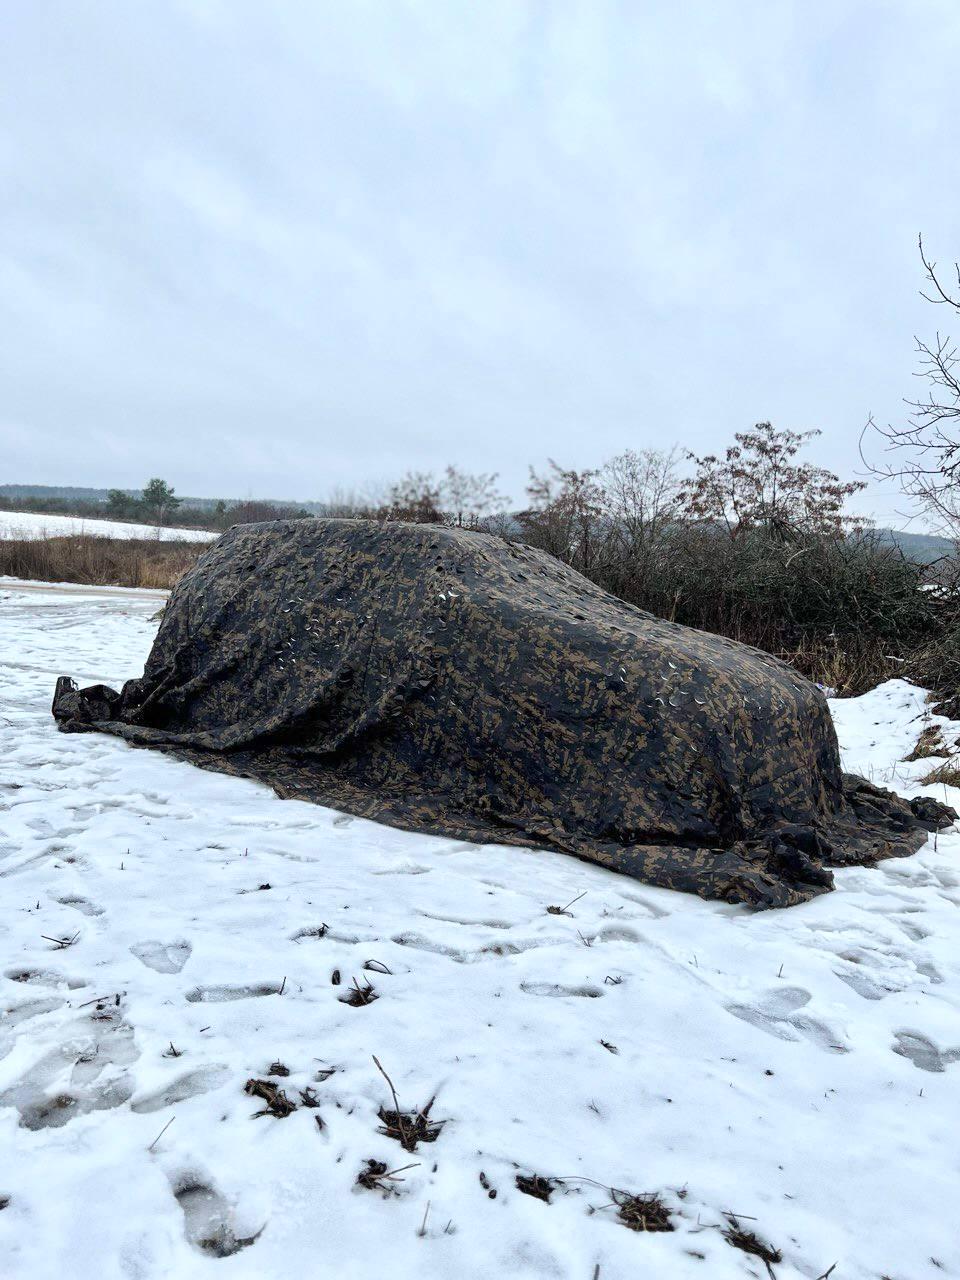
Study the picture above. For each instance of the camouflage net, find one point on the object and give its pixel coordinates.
(445, 681)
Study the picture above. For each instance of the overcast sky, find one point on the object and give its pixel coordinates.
(274, 248)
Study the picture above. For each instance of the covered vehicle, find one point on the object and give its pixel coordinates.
(450, 682)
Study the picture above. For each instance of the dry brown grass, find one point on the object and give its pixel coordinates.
(375, 1176)
(407, 1127)
(277, 1102)
(537, 1186)
(92, 561)
(750, 1242)
(850, 668)
(643, 1212)
(930, 743)
(946, 774)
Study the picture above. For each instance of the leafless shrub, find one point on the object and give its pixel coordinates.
(456, 497)
(755, 545)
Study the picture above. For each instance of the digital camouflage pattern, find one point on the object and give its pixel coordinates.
(449, 682)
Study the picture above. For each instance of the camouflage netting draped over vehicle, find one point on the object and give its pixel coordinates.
(448, 682)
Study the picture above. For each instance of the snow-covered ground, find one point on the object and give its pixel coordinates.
(29, 524)
(799, 1069)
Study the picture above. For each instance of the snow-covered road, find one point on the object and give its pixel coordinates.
(799, 1069)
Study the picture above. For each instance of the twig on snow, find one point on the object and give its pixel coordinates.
(161, 1133)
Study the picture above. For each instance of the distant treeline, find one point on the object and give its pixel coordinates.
(155, 504)
(212, 514)
(756, 543)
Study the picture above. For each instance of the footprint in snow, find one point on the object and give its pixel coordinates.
(875, 964)
(619, 933)
(88, 1059)
(557, 989)
(219, 994)
(81, 904)
(930, 970)
(883, 971)
(915, 932)
(163, 957)
(923, 1053)
(42, 826)
(14, 1014)
(652, 910)
(208, 1221)
(84, 812)
(190, 1085)
(44, 978)
(420, 943)
(486, 924)
(778, 1014)
(867, 987)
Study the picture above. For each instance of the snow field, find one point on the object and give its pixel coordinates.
(32, 525)
(170, 934)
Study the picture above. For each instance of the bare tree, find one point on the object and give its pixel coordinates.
(759, 484)
(470, 496)
(607, 523)
(563, 515)
(640, 491)
(259, 510)
(926, 448)
(457, 497)
(351, 504)
(416, 497)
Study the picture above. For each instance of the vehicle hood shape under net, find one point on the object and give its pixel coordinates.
(449, 682)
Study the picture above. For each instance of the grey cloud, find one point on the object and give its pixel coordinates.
(277, 248)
